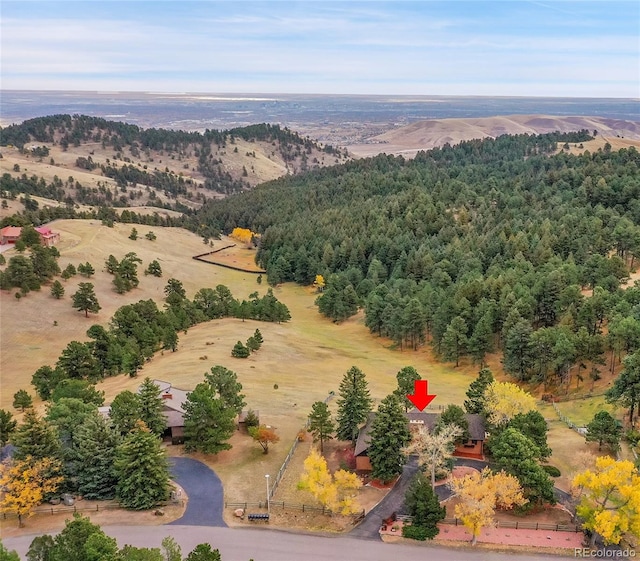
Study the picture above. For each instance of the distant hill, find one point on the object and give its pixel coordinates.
(424, 135)
(94, 161)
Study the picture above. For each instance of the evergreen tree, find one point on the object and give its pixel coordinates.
(86, 269)
(20, 273)
(57, 290)
(454, 415)
(626, 387)
(154, 269)
(44, 260)
(389, 435)
(79, 541)
(240, 351)
(45, 379)
(125, 411)
(518, 455)
(142, 469)
(203, 552)
(150, 407)
(22, 400)
(534, 426)
(406, 385)
(94, 453)
(424, 506)
(225, 383)
(354, 404)
(35, 437)
(134, 234)
(481, 341)
(258, 336)
(454, 341)
(77, 389)
(76, 361)
(68, 272)
(208, 423)
(85, 299)
(7, 426)
(604, 429)
(518, 353)
(252, 344)
(475, 393)
(321, 425)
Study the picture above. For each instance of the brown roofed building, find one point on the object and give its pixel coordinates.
(472, 448)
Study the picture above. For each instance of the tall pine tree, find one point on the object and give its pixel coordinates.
(142, 469)
(208, 423)
(389, 435)
(150, 409)
(354, 404)
(475, 393)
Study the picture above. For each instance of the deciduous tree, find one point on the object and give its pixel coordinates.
(433, 449)
(609, 499)
(264, 436)
(480, 494)
(503, 401)
(26, 482)
(333, 492)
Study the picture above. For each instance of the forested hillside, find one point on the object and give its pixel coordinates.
(93, 161)
(488, 245)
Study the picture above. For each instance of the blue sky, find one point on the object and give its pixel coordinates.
(576, 48)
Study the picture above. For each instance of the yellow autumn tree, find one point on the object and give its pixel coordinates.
(333, 492)
(25, 483)
(503, 401)
(609, 499)
(319, 283)
(243, 235)
(480, 494)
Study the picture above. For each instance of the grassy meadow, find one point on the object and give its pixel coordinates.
(305, 357)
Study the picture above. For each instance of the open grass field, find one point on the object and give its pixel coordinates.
(306, 357)
(239, 256)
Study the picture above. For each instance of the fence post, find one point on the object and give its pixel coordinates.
(517, 525)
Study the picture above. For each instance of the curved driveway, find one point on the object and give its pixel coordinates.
(204, 489)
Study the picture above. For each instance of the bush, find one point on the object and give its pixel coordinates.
(553, 471)
(633, 437)
(419, 533)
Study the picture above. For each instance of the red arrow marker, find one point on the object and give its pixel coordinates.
(421, 397)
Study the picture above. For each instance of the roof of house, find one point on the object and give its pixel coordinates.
(415, 417)
(11, 231)
(172, 397)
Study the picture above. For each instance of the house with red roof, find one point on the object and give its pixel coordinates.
(10, 234)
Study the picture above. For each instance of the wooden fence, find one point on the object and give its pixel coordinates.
(284, 506)
(518, 525)
(62, 509)
(284, 465)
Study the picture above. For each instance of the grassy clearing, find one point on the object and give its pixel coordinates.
(306, 357)
(581, 411)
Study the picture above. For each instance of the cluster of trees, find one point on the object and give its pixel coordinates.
(137, 331)
(75, 449)
(484, 246)
(81, 540)
(29, 272)
(252, 345)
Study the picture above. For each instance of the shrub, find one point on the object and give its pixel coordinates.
(421, 533)
(553, 471)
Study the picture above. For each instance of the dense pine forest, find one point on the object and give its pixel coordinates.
(501, 244)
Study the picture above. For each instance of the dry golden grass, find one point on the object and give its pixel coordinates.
(239, 256)
(306, 357)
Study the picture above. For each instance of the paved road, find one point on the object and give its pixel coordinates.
(269, 545)
(204, 489)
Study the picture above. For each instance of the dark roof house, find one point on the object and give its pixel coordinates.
(473, 448)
